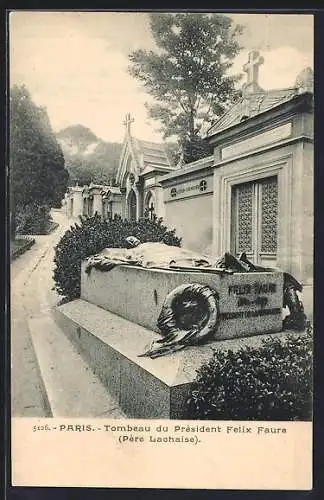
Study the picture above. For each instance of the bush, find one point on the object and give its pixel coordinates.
(33, 219)
(19, 246)
(94, 234)
(272, 382)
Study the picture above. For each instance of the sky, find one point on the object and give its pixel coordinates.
(75, 63)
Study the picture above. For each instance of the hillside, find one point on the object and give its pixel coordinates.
(88, 158)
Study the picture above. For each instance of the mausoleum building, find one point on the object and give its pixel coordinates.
(254, 194)
(141, 165)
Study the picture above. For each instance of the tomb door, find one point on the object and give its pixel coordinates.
(132, 203)
(255, 220)
(90, 206)
(85, 206)
(149, 207)
(109, 210)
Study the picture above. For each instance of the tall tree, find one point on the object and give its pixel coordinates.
(187, 76)
(37, 172)
(87, 157)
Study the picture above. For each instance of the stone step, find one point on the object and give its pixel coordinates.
(72, 388)
(143, 387)
(28, 394)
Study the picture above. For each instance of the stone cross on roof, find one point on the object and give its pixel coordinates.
(252, 70)
(128, 121)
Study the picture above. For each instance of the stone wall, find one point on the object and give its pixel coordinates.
(192, 218)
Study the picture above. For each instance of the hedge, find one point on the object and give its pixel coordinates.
(91, 236)
(33, 219)
(19, 246)
(271, 382)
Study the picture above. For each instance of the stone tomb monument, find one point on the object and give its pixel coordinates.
(116, 319)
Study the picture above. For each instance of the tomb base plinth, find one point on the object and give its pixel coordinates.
(142, 387)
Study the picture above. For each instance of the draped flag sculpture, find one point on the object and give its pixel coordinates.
(190, 313)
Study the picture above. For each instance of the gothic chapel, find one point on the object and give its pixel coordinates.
(254, 194)
(141, 164)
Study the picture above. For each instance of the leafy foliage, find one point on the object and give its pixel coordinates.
(195, 148)
(33, 219)
(271, 382)
(94, 234)
(37, 173)
(20, 246)
(36, 160)
(77, 135)
(187, 76)
(88, 158)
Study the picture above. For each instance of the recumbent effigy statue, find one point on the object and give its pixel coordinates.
(190, 313)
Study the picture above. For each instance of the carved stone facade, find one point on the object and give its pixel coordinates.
(259, 182)
(138, 191)
(254, 194)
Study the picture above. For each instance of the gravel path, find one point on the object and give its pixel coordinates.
(31, 295)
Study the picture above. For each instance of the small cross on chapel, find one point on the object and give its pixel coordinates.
(252, 70)
(127, 122)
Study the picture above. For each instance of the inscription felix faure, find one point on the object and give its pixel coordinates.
(259, 292)
(256, 288)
